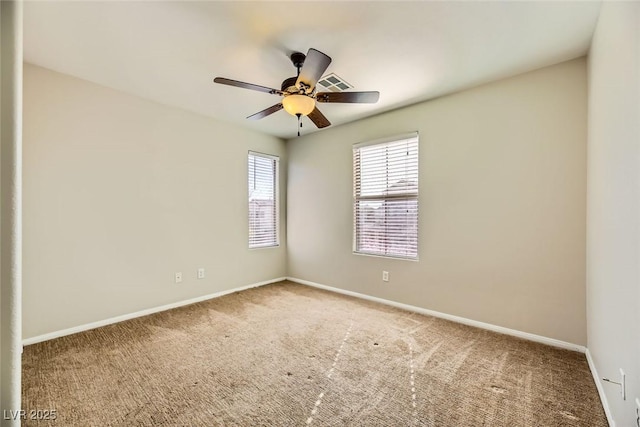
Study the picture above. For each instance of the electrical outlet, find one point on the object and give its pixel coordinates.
(201, 273)
(385, 276)
(178, 277)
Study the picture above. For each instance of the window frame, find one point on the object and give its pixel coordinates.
(276, 198)
(396, 196)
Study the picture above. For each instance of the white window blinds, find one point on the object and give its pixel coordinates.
(263, 200)
(385, 177)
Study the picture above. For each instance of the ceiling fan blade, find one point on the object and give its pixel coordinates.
(266, 112)
(244, 85)
(319, 119)
(349, 97)
(314, 65)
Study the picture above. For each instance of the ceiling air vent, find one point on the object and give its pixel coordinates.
(333, 83)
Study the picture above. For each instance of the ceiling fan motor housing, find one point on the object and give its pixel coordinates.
(289, 85)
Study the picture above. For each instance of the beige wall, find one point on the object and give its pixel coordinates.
(120, 193)
(502, 205)
(613, 210)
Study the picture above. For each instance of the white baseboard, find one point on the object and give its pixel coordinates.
(500, 329)
(110, 321)
(603, 397)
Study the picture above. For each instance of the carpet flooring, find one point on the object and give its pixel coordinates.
(290, 355)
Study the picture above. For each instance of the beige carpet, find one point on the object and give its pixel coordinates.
(290, 355)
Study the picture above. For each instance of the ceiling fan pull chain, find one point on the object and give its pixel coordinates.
(299, 124)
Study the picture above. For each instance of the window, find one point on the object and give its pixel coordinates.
(385, 197)
(263, 200)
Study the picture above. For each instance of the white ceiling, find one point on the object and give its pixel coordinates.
(409, 51)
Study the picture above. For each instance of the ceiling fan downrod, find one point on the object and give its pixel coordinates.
(297, 58)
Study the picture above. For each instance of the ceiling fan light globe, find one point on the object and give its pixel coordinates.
(298, 104)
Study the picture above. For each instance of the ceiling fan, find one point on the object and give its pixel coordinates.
(299, 92)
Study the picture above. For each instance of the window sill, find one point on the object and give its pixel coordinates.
(264, 247)
(386, 256)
